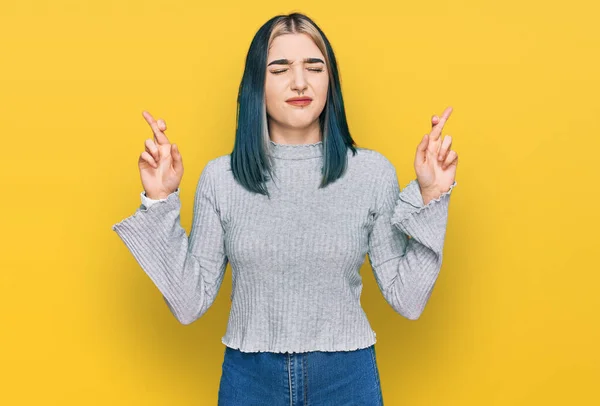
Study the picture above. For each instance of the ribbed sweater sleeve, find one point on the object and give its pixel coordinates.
(188, 271)
(406, 269)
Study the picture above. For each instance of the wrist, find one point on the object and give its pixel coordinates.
(429, 195)
(157, 196)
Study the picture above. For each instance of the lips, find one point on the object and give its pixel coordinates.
(299, 101)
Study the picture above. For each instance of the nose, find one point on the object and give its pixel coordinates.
(298, 80)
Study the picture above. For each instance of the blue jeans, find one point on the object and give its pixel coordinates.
(316, 378)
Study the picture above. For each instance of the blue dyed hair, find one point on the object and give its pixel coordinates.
(250, 163)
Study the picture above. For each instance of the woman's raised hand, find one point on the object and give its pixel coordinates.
(435, 161)
(161, 166)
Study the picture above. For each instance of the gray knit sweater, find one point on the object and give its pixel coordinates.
(295, 258)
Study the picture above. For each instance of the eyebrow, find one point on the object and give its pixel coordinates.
(287, 61)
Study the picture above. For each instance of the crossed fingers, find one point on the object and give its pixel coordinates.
(436, 131)
(158, 128)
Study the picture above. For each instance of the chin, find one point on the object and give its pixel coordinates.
(299, 124)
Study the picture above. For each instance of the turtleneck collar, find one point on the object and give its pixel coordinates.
(295, 151)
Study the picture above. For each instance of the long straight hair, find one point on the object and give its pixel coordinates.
(250, 162)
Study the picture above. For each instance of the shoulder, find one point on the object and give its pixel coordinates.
(218, 167)
(379, 174)
(213, 173)
(370, 161)
(213, 178)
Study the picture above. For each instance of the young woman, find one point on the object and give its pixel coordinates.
(294, 209)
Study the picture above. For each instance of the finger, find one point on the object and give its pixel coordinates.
(152, 149)
(421, 148)
(446, 144)
(434, 120)
(159, 136)
(437, 129)
(177, 160)
(146, 157)
(452, 158)
(162, 126)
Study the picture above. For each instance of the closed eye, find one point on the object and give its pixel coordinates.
(276, 72)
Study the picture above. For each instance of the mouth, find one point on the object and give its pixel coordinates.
(299, 101)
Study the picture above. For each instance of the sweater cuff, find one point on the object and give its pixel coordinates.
(424, 222)
(412, 196)
(147, 202)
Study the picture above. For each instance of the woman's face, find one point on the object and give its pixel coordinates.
(288, 75)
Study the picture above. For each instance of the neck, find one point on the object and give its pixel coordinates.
(294, 136)
(296, 151)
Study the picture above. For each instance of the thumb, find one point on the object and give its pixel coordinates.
(177, 160)
(421, 148)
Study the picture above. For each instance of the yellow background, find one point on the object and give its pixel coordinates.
(513, 319)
